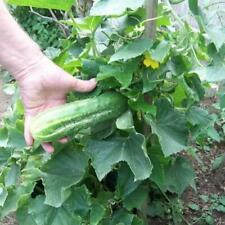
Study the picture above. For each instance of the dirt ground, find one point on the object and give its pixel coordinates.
(9, 220)
(208, 182)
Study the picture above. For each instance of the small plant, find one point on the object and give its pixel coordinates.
(211, 204)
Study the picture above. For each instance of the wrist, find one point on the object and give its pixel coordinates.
(25, 62)
(31, 68)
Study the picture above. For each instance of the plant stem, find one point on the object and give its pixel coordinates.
(171, 204)
(151, 19)
(61, 26)
(70, 14)
(174, 13)
(52, 19)
(195, 56)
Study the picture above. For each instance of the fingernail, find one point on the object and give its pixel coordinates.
(48, 147)
(93, 80)
(63, 140)
(29, 142)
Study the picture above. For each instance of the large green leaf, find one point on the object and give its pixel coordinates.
(141, 105)
(179, 95)
(202, 123)
(105, 154)
(125, 122)
(159, 162)
(3, 195)
(65, 169)
(137, 198)
(152, 78)
(79, 201)
(112, 7)
(132, 50)
(170, 127)
(217, 35)
(47, 215)
(16, 138)
(161, 52)
(121, 217)
(174, 176)
(14, 198)
(125, 182)
(3, 137)
(84, 26)
(5, 154)
(137, 221)
(12, 175)
(215, 73)
(212, 73)
(122, 72)
(198, 116)
(157, 208)
(23, 217)
(48, 4)
(178, 176)
(97, 213)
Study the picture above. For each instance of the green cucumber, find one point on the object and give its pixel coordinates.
(72, 117)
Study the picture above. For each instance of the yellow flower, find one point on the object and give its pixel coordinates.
(149, 62)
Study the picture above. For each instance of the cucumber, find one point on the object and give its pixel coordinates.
(72, 117)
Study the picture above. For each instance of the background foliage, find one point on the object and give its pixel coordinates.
(44, 31)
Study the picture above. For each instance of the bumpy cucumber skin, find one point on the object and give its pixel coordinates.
(72, 117)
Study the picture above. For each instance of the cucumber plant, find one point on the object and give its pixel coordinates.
(114, 172)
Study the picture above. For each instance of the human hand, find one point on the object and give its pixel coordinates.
(44, 85)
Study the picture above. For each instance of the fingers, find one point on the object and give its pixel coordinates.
(82, 85)
(29, 139)
(27, 134)
(63, 140)
(48, 147)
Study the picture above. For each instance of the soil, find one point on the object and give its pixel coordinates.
(9, 220)
(208, 182)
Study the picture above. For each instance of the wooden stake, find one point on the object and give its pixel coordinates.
(151, 12)
(150, 31)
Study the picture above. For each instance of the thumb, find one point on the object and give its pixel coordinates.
(27, 133)
(81, 85)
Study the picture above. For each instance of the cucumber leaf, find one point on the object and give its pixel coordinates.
(50, 4)
(105, 154)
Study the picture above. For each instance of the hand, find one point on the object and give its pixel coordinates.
(43, 86)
